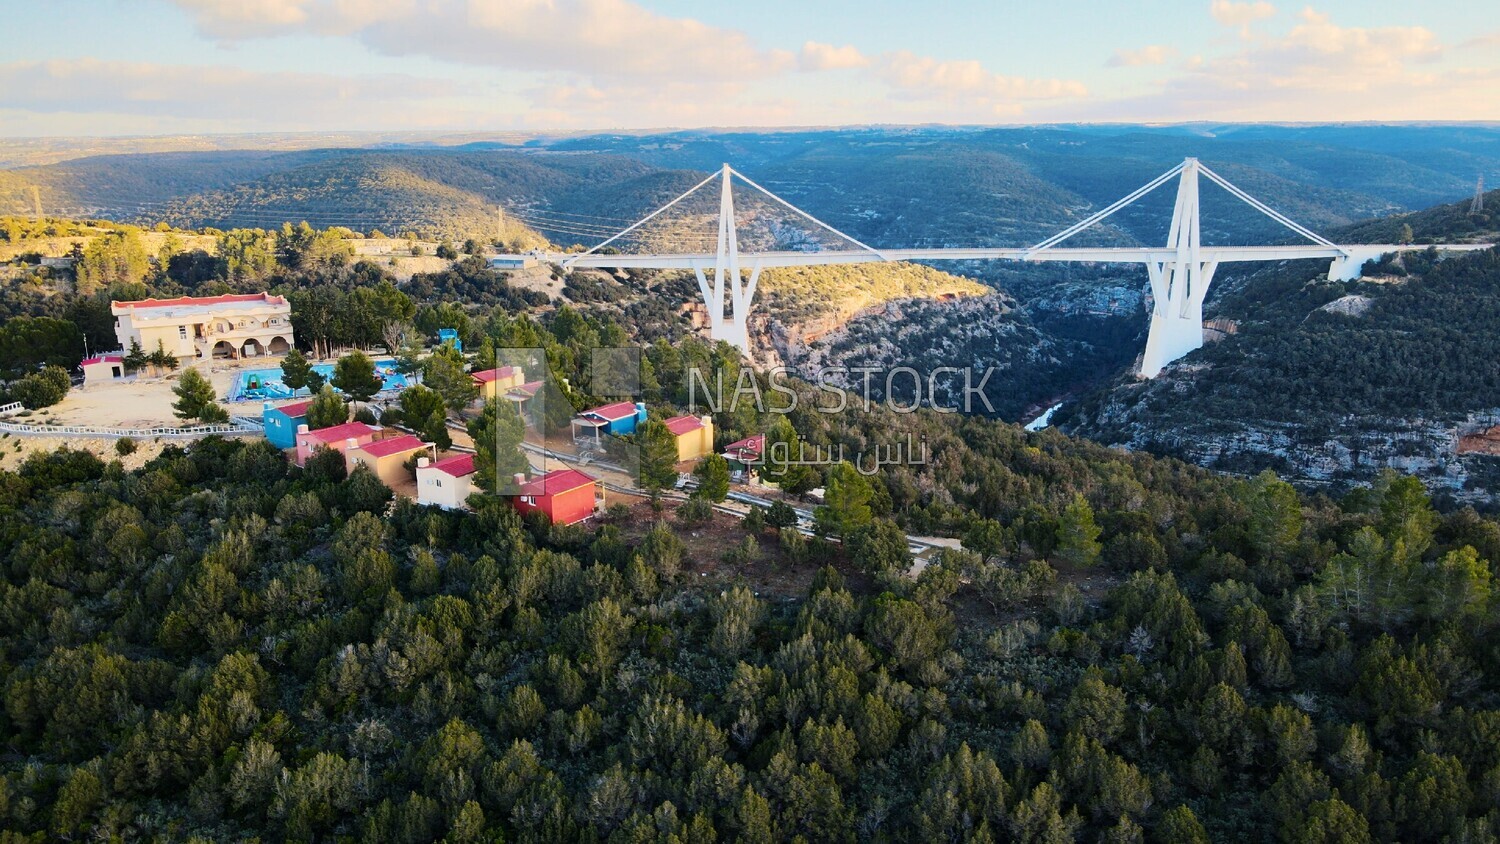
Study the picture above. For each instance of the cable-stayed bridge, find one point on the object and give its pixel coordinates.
(1180, 272)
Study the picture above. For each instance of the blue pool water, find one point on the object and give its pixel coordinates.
(263, 384)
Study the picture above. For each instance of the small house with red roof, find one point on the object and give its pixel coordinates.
(282, 423)
(616, 419)
(492, 383)
(524, 392)
(101, 368)
(340, 438)
(566, 496)
(746, 455)
(387, 458)
(695, 436)
(446, 483)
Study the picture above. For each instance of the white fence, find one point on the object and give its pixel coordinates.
(192, 432)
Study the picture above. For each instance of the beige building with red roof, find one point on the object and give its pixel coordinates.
(102, 368)
(493, 383)
(196, 327)
(340, 438)
(695, 436)
(387, 458)
(446, 483)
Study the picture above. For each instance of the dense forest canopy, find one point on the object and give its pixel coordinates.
(219, 645)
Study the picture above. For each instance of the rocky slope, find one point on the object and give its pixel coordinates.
(1329, 382)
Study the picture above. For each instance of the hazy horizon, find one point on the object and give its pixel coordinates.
(170, 67)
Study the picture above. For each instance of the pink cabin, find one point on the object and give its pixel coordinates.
(338, 438)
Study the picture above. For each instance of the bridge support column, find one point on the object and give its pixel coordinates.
(728, 279)
(1178, 287)
(1352, 266)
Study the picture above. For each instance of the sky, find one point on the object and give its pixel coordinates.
(169, 67)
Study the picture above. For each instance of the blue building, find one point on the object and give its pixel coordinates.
(616, 419)
(450, 337)
(281, 422)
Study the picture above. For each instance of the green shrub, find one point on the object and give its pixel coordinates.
(42, 389)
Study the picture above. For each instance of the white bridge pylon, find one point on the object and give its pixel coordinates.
(1180, 272)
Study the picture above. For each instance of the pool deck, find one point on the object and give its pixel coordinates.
(237, 390)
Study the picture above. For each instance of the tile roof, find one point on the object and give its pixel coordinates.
(338, 433)
(680, 425)
(753, 446)
(394, 445)
(180, 301)
(489, 375)
(296, 408)
(458, 465)
(556, 481)
(103, 359)
(618, 410)
(527, 390)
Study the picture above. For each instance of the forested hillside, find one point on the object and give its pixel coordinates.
(220, 646)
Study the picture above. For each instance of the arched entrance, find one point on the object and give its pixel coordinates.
(279, 346)
(251, 349)
(223, 350)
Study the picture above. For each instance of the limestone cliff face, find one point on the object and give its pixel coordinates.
(1315, 452)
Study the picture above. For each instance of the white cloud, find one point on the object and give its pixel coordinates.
(916, 76)
(1319, 70)
(816, 56)
(1153, 54)
(241, 98)
(1242, 15)
(617, 38)
(1482, 42)
(615, 60)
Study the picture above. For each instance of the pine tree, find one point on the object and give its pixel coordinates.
(196, 399)
(423, 411)
(847, 502)
(498, 432)
(327, 409)
(658, 456)
(354, 375)
(713, 478)
(296, 372)
(443, 371)
(1077, 535)
(135, 359)
(1180, 826)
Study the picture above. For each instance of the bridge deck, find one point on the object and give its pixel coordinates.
(1121, 255)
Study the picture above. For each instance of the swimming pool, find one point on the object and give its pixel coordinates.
(265, 384)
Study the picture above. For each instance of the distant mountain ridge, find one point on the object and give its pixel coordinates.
(892, 186)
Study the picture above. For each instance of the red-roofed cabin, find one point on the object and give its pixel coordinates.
(281, 424)
(695, 436)
(338, 438)
(386, 458)
(524, 392)
(101, 368)
(746, 454)
(616, 419)
(446, 483)
(566, 496)
(493, 383)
